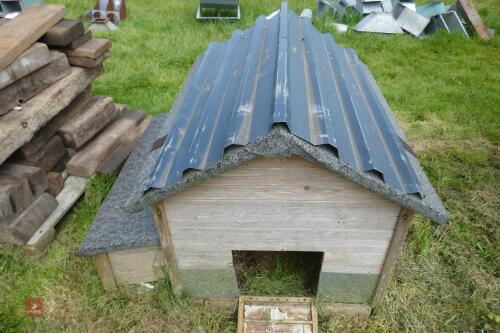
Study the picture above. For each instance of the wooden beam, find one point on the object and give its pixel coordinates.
(116, 159)
(47, 132)
(34, 58)
(55, 183)
(88, 62)
(18, 192)
(86, 161)
(23, 31)
(47, 156)
(473, 18)
(74, 187)
(34, 175)
(87, 35)
(63, 33)
(167, 247)
(25, 225)
(98, 112)
(105, 271)
(94, 49)
(402, 226)
(18, 128)
(27, 87)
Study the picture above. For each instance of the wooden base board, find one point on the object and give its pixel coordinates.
(72, 191)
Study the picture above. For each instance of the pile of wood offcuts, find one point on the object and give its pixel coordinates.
(54, 132)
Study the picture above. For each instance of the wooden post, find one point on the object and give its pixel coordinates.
(402, 226)
(105, 271)
(167, 248)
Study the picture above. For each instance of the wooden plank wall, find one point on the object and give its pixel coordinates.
(281, 205)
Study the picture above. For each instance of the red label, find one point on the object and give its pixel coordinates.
(33, 307)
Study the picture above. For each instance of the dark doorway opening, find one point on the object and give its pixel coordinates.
(277, 273)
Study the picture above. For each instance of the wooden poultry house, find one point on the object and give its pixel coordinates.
(280, 141)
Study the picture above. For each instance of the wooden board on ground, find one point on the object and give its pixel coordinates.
(116, 159)
(34, 58)
(34, 175)
(20, 33)
(473, 18)
(94, 49)
(47, 156)
(88, 62)
(86, 161)
(55, 182)
(277, 314)
(97, 113)
(63, 33)
(73, 189)
(47, 132)
(19, 127)
(27, 87)
(25, 225)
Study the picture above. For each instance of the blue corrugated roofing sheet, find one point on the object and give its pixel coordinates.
(282, 70)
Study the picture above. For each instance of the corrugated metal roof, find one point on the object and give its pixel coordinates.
(282, 70)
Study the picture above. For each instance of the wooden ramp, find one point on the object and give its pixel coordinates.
(260, 314)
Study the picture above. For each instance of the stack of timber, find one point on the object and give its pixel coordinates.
(54, 132)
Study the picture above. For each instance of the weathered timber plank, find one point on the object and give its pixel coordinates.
(47, 156)
(25, 225)
(7, 212)
(473, 18)
(20, 33)
(97, 113)
(402, 226)
(19, 192)
(56, 183)
(87, 35)
(137, 265)
(35, 176)
(47, 132)
(73, 189)
(27, 87)
(19, 127)
(116, 159)
(34, 58)
(63, 33)
(94, 49)
(85, 162)
(88, 62)
(105, 271)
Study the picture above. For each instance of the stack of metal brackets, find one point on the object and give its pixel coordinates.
(233, 5)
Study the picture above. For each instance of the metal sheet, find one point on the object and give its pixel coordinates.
(448, 21)
(410, 20)
(431, 9)
(279, 71)
(379, 22)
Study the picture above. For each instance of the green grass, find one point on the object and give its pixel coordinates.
(445, 90)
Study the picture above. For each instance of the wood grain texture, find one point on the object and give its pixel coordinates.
(48, 131)
(24, 226)
(96, 114)
(87, 35)
(137, 265)
(74, 187)
(19, 34)
(18, 193)
(118, 157)
(86, 161)
(55, 181)
(105, 271)
(27, 87)
(48, 156)
(34, 58)
(281, 205)
(18, 128)
(88, 62)
(93, 49)
(34, 175)
(473, 18)
(63, 33)
(402, 226)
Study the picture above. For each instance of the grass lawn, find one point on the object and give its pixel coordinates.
(445, 90)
